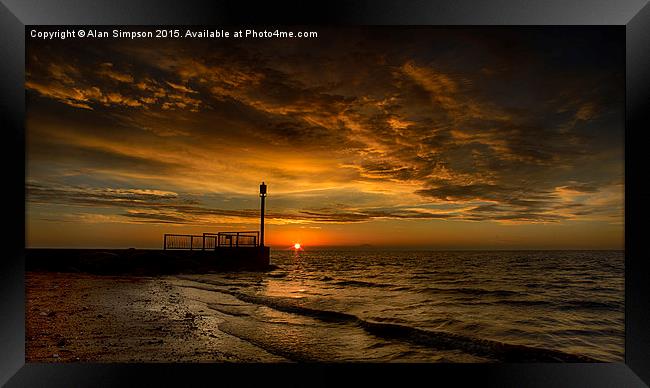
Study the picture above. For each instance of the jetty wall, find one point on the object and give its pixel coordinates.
(147, 261)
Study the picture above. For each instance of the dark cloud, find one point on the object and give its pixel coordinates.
(168, 207)
(92, 158)
(509, 125)
(92, 196)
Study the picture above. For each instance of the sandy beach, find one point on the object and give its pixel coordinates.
(87, 318)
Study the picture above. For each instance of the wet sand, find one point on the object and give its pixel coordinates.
(87, 318)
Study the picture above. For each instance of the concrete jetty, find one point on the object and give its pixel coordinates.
(180, 253)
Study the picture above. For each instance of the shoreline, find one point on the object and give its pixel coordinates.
(124, 319)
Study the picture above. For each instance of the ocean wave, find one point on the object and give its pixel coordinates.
(360, 283)
(470, 291)
(477, 302)
(608, 332)
(590, 305)
(228, 309)
(501, 351)
(401, 288)
(525, 303)
(435, 339)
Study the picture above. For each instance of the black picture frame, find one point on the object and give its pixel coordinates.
(631, 15)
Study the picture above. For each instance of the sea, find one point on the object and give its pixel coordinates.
(335, 305)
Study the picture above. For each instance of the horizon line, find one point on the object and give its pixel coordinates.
(357, 247)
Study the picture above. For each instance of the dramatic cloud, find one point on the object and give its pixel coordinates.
(376, 126)
(169, 207)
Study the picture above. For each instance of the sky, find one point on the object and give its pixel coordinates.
(436, 138)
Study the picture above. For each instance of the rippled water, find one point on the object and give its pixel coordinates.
(334, 305)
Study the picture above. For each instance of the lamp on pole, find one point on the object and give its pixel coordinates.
(262, 198)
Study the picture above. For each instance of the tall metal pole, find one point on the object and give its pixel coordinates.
(262, 198)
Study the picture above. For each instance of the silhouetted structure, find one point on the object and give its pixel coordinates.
(244, 245)
(181, 253)
(262, 200)
(211, 241)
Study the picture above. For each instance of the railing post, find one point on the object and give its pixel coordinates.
(177, 241)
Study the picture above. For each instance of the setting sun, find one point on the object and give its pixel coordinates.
(297, 246)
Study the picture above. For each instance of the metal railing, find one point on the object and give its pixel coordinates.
(210, 241)
(236, 239)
